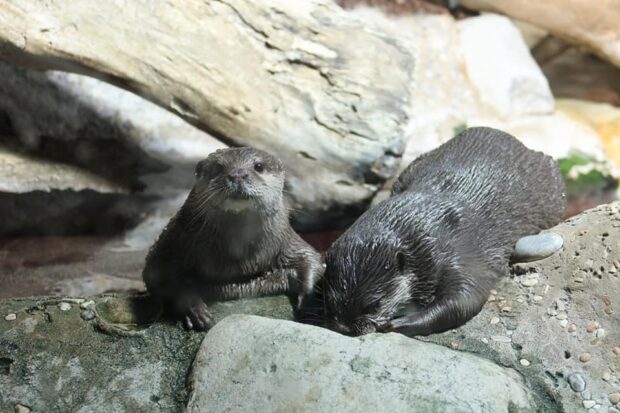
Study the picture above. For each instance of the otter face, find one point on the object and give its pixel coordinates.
(235, 179)
(365, 283)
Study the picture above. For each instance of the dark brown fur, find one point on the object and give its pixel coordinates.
(231, 239)
(443, 238)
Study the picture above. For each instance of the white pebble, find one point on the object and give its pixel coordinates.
(494, 320)
(529, 282)
(524, 362)
(562, 316)
(86, 304)
(563, 323)
(600, 333)
(538, 298)
(64, 306)
(485, 340)
(606, 376)
(589, 403)
(11, 317)
(501, 339)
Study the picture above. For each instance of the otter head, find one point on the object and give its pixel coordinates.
(237, 179)
(366, 281)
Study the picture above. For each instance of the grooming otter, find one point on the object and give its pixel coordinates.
(443, 238)
(230, 239)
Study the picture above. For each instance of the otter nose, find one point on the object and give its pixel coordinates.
(237, 176)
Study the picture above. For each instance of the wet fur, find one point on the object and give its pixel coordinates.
(443, 238)
(224, 244)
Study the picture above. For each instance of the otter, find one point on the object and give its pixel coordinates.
(424, 260)
(230, 239)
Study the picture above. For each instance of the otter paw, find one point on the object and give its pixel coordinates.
(386, 327)
(198, 318)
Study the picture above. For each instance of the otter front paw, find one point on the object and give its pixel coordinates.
(197, 317)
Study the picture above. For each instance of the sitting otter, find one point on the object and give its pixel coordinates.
(424, 260)
(230, 239)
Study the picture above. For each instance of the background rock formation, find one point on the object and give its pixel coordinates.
(326, 92)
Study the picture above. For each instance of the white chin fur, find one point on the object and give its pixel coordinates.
(237, 205)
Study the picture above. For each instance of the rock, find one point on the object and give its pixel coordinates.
(339, 147)
(602, 117)
(39, 197)
(20, 408)
(614, 398)
(119, 362)
(501, 339)
(378, 372)
(11, 317)
(577, 74)
(589, 403)
(536, 247)
(556, 134)
(64, 306)
(443, 98)
(577, 382)
(576, 21)
(616, 351)
(585, 357)
(591, 327)
(494, 320)
(583, 304)
(524, 362)
(509, 82)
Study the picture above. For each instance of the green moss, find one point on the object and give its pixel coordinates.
(595, 178)
(459, 128)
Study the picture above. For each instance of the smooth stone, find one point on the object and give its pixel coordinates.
(64, 306)
(577, 382)
(20, 408)
(256, 364)
(537, 247)
(589, 403)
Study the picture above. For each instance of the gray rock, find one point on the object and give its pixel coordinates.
(577, 382)
(284, 366)
(55, 361)
(537, 247)
(538, 337)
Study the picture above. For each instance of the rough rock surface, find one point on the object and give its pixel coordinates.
(54, 360)
(556, 312)
(250, 364)
(325, 92)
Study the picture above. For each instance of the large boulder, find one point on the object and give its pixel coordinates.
(250, 364)
(327, 93)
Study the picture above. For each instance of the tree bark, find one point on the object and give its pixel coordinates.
(302, 79)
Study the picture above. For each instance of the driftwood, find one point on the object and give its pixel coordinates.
(594, 25)
(325, 92)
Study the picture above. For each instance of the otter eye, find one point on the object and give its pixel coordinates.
(259, 167)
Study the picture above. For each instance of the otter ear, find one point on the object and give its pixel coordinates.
(200, 168)
(401, 261)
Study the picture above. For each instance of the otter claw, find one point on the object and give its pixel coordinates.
(198, 318)
(385, 327)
